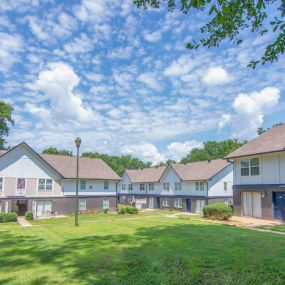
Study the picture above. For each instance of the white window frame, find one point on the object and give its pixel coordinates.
(151, 186)
(106, 185)
(200, 186)
(123, 187)
(178, 186)
(249, 162)
(225, 186)
(178, 202)
(17, 183)
(105, 199)
(166, 186)
(45, 184)
(131, 199)
(1, 184)
(142, 187)
(165, 202)
(123, 199)
(82, 182)
(130, 187)
(82, 206)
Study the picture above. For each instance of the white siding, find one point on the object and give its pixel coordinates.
(272, 170)
(216, 184)
(69, 187)
(23, 163)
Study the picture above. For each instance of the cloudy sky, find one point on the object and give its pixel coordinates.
(122, 80)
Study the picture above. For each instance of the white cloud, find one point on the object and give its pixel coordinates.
(183, 65)
(150, 79)
(57, 83)
(216, 76)
(144, 151)
(79, 45)
(249, 111)
(152, 37)
(177, 150)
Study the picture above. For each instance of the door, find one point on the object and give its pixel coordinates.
(151, 202)
(199, 206)
(251, 204)
(44, 208)
(22, 207)
(188, 205)
(158, 202)
(279, 205)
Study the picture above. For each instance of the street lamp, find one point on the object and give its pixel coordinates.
(77, 143)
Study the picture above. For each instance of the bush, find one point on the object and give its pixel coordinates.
(106, 211)
(217, 211)
(29, 215)
(8, 217)
(122, 209)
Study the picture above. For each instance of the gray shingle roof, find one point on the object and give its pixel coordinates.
(145, 175)
(271, 141)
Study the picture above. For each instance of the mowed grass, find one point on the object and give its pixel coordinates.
(146, 250)
(279, 228)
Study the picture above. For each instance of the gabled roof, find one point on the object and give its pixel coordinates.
(271, 141)
(65, 166)
(145, 175)
(201, 170)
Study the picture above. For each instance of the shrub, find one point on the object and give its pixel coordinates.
(217, 211)
(122, 209)
(106, 211)
(29, 215)
(8, 217)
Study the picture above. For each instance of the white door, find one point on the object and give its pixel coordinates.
(199, 206)
(43, 208)
(105, 203)
(251, 204)
(151, 202)
(6, 207)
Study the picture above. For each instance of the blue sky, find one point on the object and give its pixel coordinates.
(122, 79)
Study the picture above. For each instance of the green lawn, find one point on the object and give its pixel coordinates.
(147, 250)
(279, 228)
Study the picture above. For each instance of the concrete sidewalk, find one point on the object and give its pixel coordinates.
(23, 222)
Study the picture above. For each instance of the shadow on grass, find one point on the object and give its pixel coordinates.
(180, 254)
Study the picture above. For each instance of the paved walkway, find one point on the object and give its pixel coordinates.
(23, 222)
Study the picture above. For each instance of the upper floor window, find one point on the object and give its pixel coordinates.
(44, 184)
(82, 185)
(166, 186)
(123, 187)
(106, 185)
(178, 203)
(1, 183)
(21, 183)
(249, 167)
(225, 186)
(199, 186)
(150, 186)
(130, 187)
(178, 186)
(142, 186)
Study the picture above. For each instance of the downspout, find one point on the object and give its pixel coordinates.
(146, 195)
(117, 197)
(207, 183)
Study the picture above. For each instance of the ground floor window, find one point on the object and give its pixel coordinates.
(131, 199)
(123, 199)
(82, 204)
(105, 203)
(43, 208)
(178, 203)
(165, 202)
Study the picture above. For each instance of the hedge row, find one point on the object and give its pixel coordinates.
(217, 211)
(8, 217)
(122, 209)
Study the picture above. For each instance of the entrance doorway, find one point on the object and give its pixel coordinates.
(188, 205)
(151, 202)
(22, 207)
(251, 204)
(279, 205)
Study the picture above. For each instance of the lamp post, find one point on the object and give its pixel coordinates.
(77, 143)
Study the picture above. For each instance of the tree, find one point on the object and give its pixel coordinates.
(5, 119)
(53, 150)
(261, 130)
(212, 150)
(227, 19)
(119, 163)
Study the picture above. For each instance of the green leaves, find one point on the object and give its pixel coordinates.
(5, 119)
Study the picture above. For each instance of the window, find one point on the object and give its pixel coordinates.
(82, 204)
(1, 183)
(150, 186)
(130, 187)
(123, 187)
(178, 186)
(166, 186)
(249, 167)
(199, 186)
(21, 183)
(178, 203)
(142, 187)
(131, 199)
(82, 185)
(90, 187)
(44, 184)
(105, 203)
(225, 186)
(165, 202)
(106, 185)
(123, 199)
